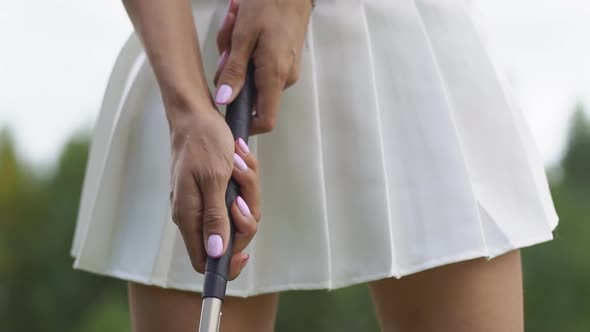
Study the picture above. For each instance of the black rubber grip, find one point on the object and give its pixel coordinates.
(237, 116)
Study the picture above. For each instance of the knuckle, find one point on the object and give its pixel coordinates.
(278, 72)
(253, 164)
(234, 275)
(217, 175)
(251, 180)
(233, 70)
(283, 75)
(239, 37)
(175, 217)
(213, 218)
(257, 214)
(183, 213)
(197, 266)
(270, 69)
(267, 124)
(244, 177)
(251, 230)
(175, 211)
(293, 78)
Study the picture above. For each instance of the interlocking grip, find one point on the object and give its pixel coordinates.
(237, 116)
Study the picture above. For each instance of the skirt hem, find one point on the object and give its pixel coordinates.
(326, 284)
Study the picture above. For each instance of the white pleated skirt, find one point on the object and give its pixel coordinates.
(399, 150)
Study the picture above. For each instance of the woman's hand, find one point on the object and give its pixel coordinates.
(204, 157)
(272, 33)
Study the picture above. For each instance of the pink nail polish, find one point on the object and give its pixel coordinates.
(223, 94)
(240, 163)
(242, 144)
(214, 245)
(243, 207)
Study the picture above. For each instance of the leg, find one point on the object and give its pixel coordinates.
(470, 296)
(155, 309)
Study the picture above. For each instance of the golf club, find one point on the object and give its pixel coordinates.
(237, 116)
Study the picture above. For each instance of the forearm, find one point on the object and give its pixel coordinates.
(167, 31)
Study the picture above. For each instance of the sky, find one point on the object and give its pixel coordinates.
(55, 61)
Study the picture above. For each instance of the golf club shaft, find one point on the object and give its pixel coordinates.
(238, 116)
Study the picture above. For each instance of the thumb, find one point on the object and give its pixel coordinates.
(215, 219)
(231, 78)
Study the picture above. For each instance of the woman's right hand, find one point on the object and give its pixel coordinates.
(204, 157)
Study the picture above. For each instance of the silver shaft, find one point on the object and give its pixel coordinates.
(210, 315)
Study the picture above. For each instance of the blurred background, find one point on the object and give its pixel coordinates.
(55, 59)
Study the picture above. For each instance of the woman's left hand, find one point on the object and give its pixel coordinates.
(245, 210)
(271, 33)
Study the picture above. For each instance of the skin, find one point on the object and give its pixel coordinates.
(272, 34)
(155, 309)
(201, 142)
(472, 296)
(475, 295)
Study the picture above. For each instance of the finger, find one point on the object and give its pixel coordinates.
(267, 106)
(243, 150)
(193, 241)
(227, 26)
(215, 221)
(224, 34)
(234, 6)
(249, 184)
(232, 76)
(245, 224)
(237, 264)
(294, 71)
(187, 211)
(270, 78)
(220, 65)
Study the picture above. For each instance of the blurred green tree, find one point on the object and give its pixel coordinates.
(576, 161)
(557, 274)
(39, 291)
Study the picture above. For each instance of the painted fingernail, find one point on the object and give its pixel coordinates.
(214, 245)
(240, 163)
(243, 207)
(245, 261)
(223, 94)
(243, 145)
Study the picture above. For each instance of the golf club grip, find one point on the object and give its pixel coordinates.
(238, 116)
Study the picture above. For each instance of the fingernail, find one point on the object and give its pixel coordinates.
(243, 145)
(240, 163)
(245, 261)
(214, 245)
(223, 94)
(243, 207)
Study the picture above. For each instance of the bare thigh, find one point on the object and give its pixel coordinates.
(155, 309)
(471, 296)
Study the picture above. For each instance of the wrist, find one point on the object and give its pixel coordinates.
(180, 106)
